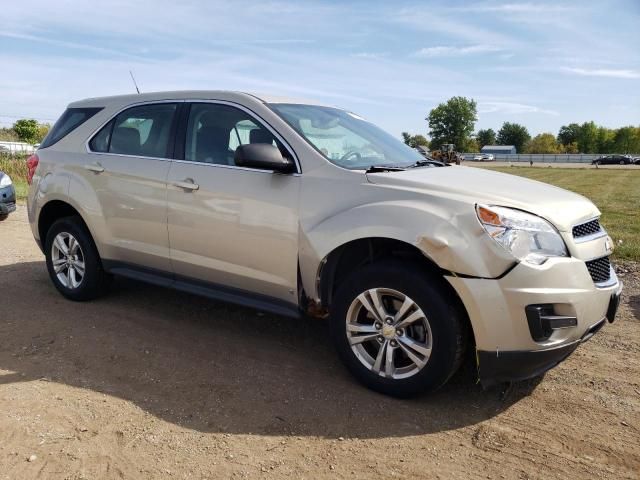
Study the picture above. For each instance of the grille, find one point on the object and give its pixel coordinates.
(599, 269)
(587, 228)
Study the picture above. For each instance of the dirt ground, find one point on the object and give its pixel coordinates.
(151, 383)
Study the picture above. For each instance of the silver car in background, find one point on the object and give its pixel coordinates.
(7, 196)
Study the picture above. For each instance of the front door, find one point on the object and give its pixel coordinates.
(232, 226)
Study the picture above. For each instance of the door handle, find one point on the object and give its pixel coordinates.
(187, 184)
(95, 167)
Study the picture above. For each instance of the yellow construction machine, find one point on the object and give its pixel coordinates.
(447, 154)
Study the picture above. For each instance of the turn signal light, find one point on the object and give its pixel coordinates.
(489, 217)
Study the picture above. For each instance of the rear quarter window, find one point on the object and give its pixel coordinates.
(71, 119)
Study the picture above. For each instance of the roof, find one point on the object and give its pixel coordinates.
(188, 95)
(499, 147)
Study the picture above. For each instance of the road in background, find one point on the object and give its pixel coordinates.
(545, 157)
(470, 163)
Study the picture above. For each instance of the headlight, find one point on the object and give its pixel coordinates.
(527, 237)
(5, 180)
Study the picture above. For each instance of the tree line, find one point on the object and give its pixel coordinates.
(454, 122)
(25, 130)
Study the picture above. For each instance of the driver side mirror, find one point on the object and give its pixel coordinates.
(263, 156)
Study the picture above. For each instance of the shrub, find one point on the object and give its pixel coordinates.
(15, 166)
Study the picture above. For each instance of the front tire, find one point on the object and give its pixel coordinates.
(398, 329)
(73, 262)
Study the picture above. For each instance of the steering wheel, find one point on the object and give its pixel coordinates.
(350, 154)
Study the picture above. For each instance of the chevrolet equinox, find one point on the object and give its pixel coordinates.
(297, 208)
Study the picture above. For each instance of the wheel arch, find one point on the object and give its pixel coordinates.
(342, 260)
(52, 211)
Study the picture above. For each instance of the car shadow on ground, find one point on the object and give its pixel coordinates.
(634, 303)
(213, 367)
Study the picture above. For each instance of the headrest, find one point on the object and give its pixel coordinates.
(260, 135)
(213, 134)
(125, 140)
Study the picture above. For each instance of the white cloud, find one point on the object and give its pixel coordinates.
(448, 24)
(369, 55)
(512, 108)
(65, 44)
(603, 72)
(454, 51)
(518, 8)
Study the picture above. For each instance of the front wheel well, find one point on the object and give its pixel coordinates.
(338, 265)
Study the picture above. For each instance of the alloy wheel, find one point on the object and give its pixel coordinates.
(389, 333)
(67, 259)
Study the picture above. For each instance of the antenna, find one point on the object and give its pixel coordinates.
(134, 81)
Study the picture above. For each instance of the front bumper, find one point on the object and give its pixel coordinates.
(500, 367)
(7, 200)
(505, 344)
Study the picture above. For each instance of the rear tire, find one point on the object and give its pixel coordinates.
(73, 261)
(440, 328)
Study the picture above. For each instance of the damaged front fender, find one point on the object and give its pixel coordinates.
(444, 235)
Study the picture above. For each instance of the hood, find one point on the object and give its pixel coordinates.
(478, 185)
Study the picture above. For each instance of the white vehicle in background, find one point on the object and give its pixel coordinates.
(483, 157)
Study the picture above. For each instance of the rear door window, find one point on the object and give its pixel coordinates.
(143, 131)
(71, 119)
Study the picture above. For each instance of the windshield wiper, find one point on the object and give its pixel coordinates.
(384, 168)
(428, 161)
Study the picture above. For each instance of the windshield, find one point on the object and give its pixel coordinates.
(346, 139)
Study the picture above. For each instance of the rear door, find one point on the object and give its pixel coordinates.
(127, 166)
(231, 226)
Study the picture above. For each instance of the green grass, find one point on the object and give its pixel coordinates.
(615, 192)
(21, 190)
(16, 167)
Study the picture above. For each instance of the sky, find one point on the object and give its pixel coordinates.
(542, 64)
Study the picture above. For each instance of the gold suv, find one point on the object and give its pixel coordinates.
(298, 208)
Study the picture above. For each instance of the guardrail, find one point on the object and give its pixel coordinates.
(542, 158)
(15, 147)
